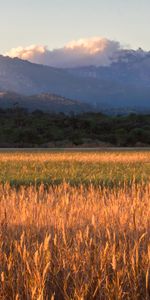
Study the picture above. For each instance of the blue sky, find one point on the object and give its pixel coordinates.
(56, 22)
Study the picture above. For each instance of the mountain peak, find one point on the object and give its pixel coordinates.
(124, 83)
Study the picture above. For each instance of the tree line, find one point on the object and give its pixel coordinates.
(20, 128)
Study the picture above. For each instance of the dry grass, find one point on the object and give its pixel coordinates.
(98, 168)
(83, 156)
(75, 242)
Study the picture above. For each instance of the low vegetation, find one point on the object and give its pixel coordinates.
(19, 128)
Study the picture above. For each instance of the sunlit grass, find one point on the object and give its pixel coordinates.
(74, 243)
(75, 226)
(99, 168)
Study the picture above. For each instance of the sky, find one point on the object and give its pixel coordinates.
(54, 23)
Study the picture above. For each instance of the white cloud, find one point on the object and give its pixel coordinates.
(30, 53)
(94, 51)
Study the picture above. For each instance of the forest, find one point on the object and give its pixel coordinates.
(20, 128)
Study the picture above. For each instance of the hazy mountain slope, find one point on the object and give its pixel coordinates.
(131, 67)
(27, 78)
(45, 102)
(123, 84)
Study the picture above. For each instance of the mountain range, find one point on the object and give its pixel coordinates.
(123, 85)
(45, 102)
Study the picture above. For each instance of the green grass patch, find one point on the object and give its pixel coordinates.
(73, 172)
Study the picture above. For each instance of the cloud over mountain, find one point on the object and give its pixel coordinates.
(94, 51)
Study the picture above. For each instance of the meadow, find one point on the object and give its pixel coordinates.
(75, 225)
(75, 167)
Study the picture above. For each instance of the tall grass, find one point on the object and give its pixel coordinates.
(68, 242)
(87, 156)
(98, 168)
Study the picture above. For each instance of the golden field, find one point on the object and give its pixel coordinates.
(68, 241)
(82, 156)
(109, 168)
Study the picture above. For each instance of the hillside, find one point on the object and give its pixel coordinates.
(124, 85)
(45, 102)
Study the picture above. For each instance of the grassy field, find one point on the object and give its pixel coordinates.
(82, 232)
(98, 168)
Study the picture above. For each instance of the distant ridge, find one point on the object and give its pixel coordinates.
(45, 102)
(124, 85)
